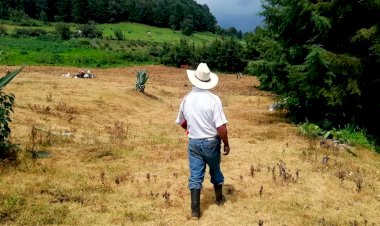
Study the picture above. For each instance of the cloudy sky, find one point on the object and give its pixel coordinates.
(241, 14)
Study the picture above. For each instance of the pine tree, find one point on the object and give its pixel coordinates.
(80, 12)
(321, 56)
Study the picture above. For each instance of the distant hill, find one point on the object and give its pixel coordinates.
(40, 44)
(174, 14)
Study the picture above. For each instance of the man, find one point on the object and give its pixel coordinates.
(201, 114)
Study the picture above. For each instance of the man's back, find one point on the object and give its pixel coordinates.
(203, 112)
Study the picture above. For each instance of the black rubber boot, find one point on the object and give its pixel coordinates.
(195, 203)
(219, 197)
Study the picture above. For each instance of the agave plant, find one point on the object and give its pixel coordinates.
(142, 77)
(8, 77)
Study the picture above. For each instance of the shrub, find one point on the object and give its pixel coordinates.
(7, 150)
(3, 30)
(119, 35)
(29, 32)
(90, 30)
(63, 30)
(310, 130)
(353, 135)
(187, 27)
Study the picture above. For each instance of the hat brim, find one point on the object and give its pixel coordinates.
(200, 84)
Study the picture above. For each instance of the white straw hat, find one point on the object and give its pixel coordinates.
(202, 77)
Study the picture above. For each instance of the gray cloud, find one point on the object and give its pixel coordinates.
(241, 14)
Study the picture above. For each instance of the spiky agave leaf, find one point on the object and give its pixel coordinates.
(141, 79)
(8, 77)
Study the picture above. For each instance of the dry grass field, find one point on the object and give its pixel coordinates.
(117, 157)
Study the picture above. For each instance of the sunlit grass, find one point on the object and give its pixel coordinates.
(140, 41)
(125, 160)
(134, 31)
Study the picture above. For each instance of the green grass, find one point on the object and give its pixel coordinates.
(35, 25)
(354, 136)
(351, 135)
(131, 31)
(134, 31)
(33, 51)
(141, 45)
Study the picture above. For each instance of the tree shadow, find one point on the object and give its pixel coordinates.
(208, 196)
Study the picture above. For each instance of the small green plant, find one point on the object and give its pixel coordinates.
(142, 78)
(7, 150)
(311, 130)
(353, 135)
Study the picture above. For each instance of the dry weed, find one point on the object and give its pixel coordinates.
(127, 163)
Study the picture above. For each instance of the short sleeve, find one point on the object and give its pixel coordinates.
(218, 114)
(180, 118)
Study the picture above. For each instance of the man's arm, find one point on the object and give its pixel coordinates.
(223, 134)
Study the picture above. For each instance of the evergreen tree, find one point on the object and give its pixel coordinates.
(5, 7)
(321, 57)
(41, 5)
(80, 11)
(177, 16)
(43, 17)
(187, 27)
(64, 11)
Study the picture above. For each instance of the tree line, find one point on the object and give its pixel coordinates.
(175, 14)
(226, 55)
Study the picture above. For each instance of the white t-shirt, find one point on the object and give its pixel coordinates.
(203, 112)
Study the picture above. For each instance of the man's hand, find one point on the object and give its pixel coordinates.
(226, 150)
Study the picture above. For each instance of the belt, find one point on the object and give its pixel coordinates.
(208, 138)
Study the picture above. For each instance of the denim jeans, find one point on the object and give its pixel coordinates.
(202, 152)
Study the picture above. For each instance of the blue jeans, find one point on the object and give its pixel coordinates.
(202, 152)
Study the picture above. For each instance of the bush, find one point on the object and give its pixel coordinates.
(187, 27)
(119, 35)
(311, 130)
(3, 30)
(7, 150)
(29, 32)
(353, 135)
(90, 30)
(6, 108)
(63, 30)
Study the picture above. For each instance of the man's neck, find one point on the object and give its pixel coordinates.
(196, 89)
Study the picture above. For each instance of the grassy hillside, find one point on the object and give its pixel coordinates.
(134, 31)
(117, 158)
(141, 46)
